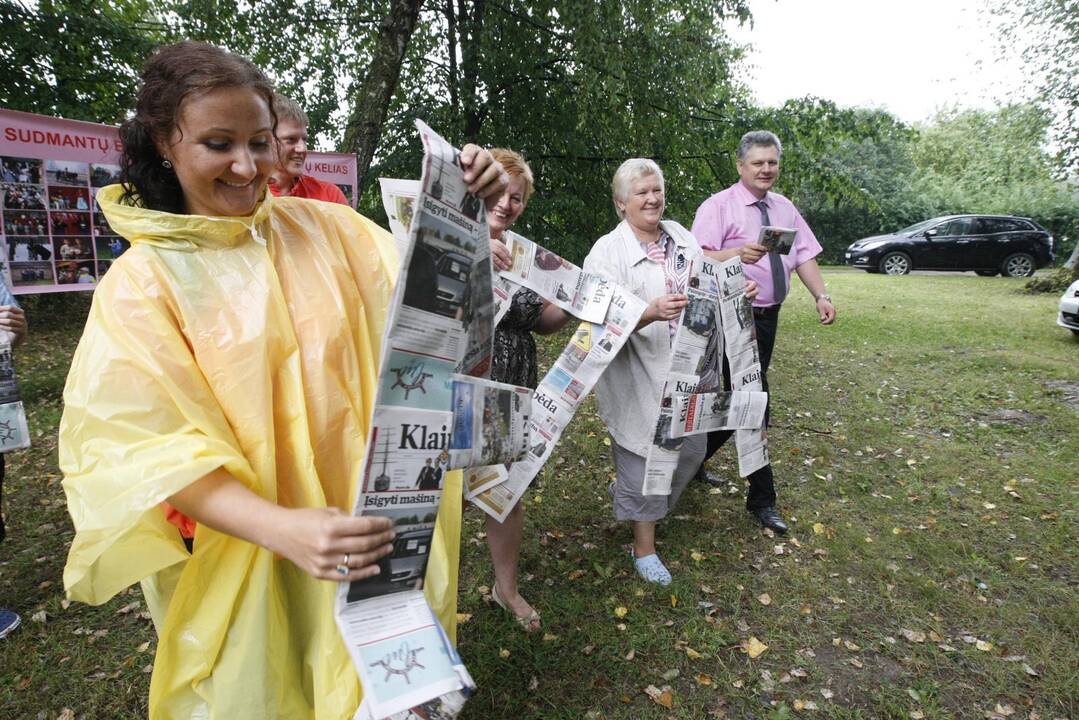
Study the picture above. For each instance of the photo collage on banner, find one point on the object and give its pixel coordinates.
(53, 233)
(52, 236)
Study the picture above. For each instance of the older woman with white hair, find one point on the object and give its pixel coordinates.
(651, 257)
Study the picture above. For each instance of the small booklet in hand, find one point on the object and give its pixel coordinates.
(777, 239)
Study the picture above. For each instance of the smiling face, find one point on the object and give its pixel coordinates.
(643, 206)
(759, 169)
(292, 146)
(222, 151)
(510, 206)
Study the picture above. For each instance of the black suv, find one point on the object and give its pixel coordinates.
(986, 244)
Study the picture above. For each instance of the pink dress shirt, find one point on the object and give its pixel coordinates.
(729, 219)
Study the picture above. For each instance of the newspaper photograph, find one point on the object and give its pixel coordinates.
(556, 280)
(558, 396)
(704, 412)
(504, 291)
(490, 423)
(777, 239)
(438, 340)
(398, 200)
(14, 433)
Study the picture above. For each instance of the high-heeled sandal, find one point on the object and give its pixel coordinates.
(529, 624)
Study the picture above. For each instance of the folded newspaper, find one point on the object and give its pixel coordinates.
(14, 433)
(777, 239)
(716, 322)
(435, 410)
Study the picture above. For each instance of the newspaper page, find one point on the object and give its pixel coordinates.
(14, 433)
(717, 321)
(556, 280)
(740, 335)
(398, 200)
(435, 410)
(695, 353)
(777, 239)
(704, 412)
(496, 490)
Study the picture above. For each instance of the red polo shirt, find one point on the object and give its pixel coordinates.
(308, 187)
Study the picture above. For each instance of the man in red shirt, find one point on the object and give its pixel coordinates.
(288, 177)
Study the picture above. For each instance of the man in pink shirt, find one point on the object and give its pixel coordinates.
(727, 225)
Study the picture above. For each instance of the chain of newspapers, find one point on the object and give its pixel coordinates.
(609, 314)
(435, 410)
(716, 322)
(14, 434)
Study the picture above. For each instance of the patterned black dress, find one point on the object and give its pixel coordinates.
(514, 359)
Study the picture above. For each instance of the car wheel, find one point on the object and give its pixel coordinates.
(1017, 265)
(987, 273)
(895, 263)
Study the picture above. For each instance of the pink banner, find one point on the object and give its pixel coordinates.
(52, 236)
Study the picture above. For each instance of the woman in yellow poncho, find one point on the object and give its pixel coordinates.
(224, 382)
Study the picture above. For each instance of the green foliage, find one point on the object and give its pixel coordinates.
(1046, 32)
(577, 87)
(76, 59)
(860, 179)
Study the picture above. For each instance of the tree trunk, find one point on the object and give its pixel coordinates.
(371, 102)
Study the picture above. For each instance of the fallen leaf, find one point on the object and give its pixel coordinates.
(697, 557)
(607, 441)
(674, 601)
(503, 653)
(818, 528)
(671, 674)
(577, 574)
(660, 697)
(692, 654)
(630, 655)
(856, 663)
(779, 549)
(548, 637)
(144, 647)
(1004, 710)
(738, 684)
(764, 599)
(1030, 671)
(916, 715)
(798, 672)
(984, 645)
(851, 646)
(753, 647)
(462, 618)
(38, 617)
(621, 611)
(914, 695)
(587, 649)
(703, 679)
(826, 693)
(914, 636)
(66, 714)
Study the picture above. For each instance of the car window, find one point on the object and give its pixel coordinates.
(999, 225)
(959, 226)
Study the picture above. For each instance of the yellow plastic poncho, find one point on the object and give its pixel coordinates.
(249, 344)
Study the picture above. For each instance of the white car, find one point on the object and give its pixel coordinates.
(1069, 308)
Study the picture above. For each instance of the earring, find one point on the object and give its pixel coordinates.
(166, 164)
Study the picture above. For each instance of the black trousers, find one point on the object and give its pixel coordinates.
(762, 489)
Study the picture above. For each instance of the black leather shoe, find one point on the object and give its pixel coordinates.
(769, 518)
(711, 479)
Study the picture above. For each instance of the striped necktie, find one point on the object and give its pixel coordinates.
(779, 273)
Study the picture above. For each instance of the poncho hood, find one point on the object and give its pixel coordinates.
(180, 232)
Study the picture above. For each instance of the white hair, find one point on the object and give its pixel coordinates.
(627, 172)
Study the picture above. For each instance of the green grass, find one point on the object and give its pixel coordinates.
(926, 465)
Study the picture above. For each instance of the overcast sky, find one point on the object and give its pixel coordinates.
(910, 57)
